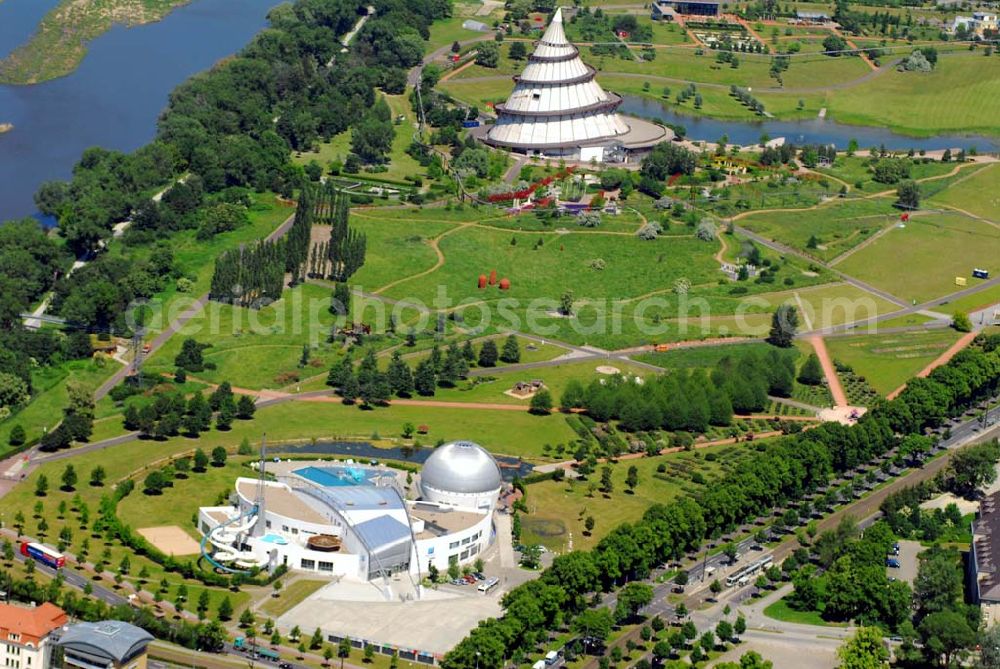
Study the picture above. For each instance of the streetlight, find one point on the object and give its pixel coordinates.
(477, 659)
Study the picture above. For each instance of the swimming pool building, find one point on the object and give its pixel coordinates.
(357, 521)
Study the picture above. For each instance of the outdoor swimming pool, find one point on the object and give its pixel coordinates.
(337, 476)
(274, 539)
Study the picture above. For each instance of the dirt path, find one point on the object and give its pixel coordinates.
(836, 390)
(942, 359)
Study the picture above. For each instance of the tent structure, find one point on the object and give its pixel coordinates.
(558, 109)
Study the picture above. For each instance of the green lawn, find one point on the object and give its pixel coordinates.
(978, 300)
(401, 164)
(492, 388)
(780, 610)
(978, 194)
(259, 348)
(837, 227)
(291, 596)
(45, 409)
(887, 361)
(961, 95)
(920, 260)
(557, 510)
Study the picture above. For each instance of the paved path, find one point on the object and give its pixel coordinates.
(836, 390)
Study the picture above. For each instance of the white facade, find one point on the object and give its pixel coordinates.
(379, 531)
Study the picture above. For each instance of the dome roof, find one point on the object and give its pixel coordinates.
(462, 467)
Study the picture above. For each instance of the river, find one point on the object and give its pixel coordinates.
(815, 131)
(114, 97)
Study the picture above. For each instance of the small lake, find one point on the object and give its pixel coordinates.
(114, 98)
(815, 131)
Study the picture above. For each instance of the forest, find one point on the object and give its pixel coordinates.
(225, 133)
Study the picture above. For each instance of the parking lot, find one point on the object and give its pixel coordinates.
(908, 562)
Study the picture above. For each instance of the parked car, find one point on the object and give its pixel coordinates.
(457, 581)
(892, 563)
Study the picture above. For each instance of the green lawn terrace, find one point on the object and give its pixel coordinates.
(886, 361)
(920, 259)
(557, 510)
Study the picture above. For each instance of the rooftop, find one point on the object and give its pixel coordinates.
(439, 521)
(280, 500)
(986, 537)
(112, 639)
(35, 622)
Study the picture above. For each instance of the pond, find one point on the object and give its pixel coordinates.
(814, 131)
(363, 450)
(114, 98)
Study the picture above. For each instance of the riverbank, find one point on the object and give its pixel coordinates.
(63, 36)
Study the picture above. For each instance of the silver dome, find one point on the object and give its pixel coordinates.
(462, 467)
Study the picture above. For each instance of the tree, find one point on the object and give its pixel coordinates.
(225, 610)
(488, 354)
(607, 484)
(41, 485)
(784, 324)
(833, 45)
(566, 303)
(399, 377)
(369, 655)
(634, 596)
(16, 436)
(811, 373)
(97, 476)
(989, 652)
(487, 54)
(588, 525)
(316, 641)
(219, 456)
(594, 624)
(724, 630)
(944, 633)
(202, 606)
(343, 650)
(511, 349)
(715, 587)
(632, 478)
(425, 378)
(908, 195)
(200, 460)
(154, 483)
(517, 51)
(245, 407)
(69, 478)
(541, 403)
(740, 626)
(960, 321)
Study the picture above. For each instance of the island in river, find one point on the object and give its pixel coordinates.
(61, 40)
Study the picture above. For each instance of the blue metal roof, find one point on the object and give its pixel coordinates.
(382, 531)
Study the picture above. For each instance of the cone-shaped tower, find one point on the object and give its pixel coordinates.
(557, 108)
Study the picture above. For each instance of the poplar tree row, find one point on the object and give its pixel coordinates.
(299, 238)
(250, 276)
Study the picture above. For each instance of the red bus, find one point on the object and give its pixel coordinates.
(43, 554)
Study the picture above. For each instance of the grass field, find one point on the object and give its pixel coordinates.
(887, 361)
(291, 596)
(557, 510)
(979, 194)
(920, 260)
(959, 96)
(401, 164)
(837, 227)
(45, 410)
(780, 610)
(259, 348)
